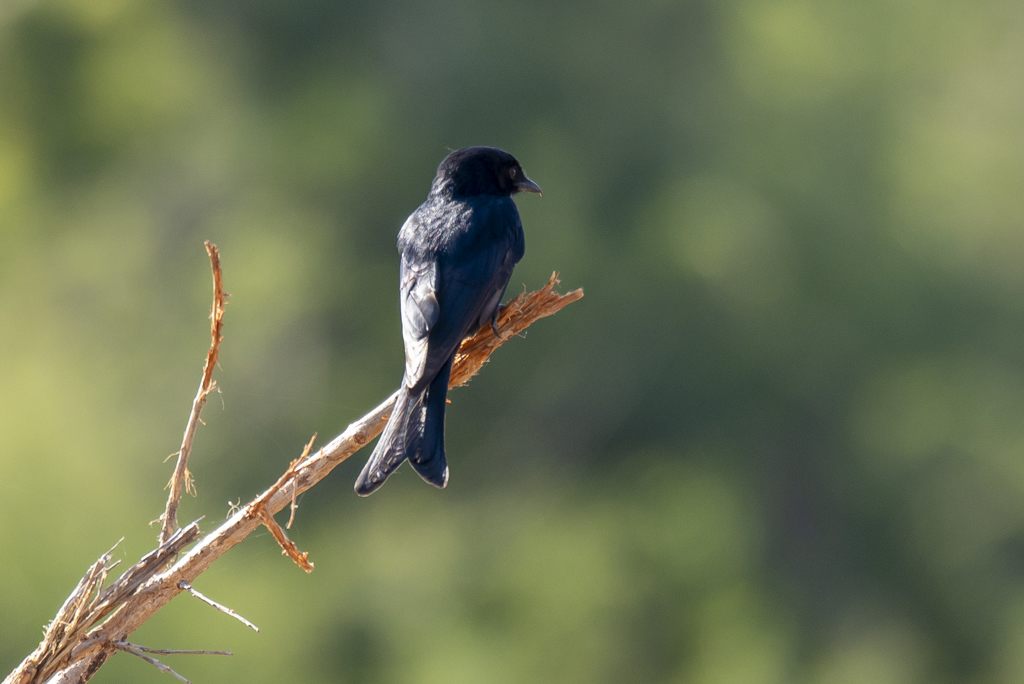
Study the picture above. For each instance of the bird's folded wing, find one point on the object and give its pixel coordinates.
(420, 312)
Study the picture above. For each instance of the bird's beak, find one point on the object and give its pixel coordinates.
(527, 185)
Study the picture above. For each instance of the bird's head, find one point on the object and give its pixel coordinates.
(481, 171)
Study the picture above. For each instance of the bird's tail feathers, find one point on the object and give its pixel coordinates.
(428, 457)
(396, 443)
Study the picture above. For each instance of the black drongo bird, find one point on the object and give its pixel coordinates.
(458, 250)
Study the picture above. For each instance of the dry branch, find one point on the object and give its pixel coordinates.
(181, 480)
(140, 595)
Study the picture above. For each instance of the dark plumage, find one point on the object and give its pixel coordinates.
(458, 250)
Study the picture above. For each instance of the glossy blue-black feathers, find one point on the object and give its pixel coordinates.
(457, 250)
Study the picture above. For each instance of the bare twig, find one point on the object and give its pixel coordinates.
(144, 652)
(179, 651)
(185, 586)
(294, 506)
(181, 480)
(77, 661)
(129, 647)
(288, 548)
(291, 468)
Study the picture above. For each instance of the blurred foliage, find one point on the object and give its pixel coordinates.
(780, 440)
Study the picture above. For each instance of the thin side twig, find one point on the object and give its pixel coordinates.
(288, 548)
(185, 586)
(291, 469)
(180, 651)
(294, 506)
(129, 647)
(181, 479)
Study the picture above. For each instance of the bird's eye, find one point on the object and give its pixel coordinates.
(513, 172)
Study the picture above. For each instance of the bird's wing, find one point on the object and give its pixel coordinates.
(420, 311)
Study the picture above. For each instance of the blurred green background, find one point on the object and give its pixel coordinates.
(780, 441)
